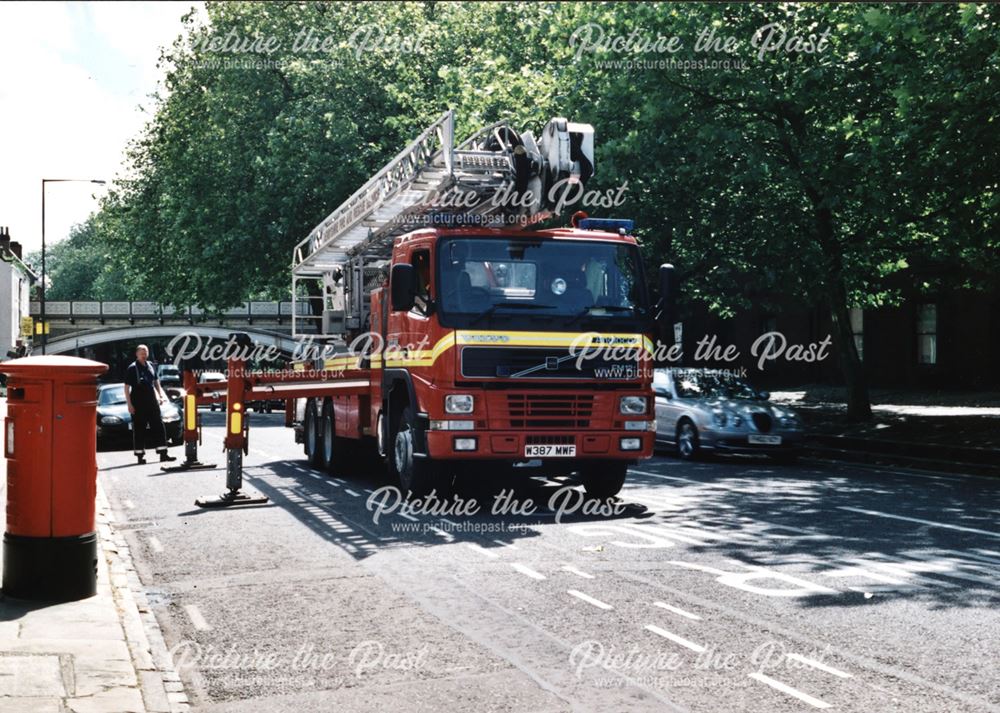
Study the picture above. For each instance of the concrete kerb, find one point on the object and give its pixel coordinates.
(157, 676)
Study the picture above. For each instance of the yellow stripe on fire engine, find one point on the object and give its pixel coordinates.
(427, 357)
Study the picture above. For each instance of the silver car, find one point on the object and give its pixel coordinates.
(705, 410)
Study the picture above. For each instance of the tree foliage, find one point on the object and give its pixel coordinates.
(806, 175)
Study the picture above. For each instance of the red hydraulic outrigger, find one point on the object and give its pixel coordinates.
(244, 386)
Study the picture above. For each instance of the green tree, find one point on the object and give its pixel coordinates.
(813, 176)
(809, 175)
(81, 268)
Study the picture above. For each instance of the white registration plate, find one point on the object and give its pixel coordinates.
(765, 440)
(549, 451)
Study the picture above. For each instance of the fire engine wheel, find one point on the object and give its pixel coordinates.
(328, 439)
(310, 428)
(603, 480)
(417, 476)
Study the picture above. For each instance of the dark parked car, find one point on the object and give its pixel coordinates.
(699, 410)
(114, 422)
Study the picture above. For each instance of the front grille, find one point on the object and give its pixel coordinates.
(550, 440)
(541, 363)
(549, 410)
(762, 421)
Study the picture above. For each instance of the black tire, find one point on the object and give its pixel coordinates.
(417, 476)
(603, 480)
(310, 433)
(328, 455)
(688, 447)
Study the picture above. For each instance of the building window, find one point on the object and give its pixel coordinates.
(857, 316)
(927, 334)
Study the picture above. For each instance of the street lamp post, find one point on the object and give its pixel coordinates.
(44, 335)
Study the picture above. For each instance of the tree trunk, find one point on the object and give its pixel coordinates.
(858, 403)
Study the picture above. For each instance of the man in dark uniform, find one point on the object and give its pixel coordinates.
(143, 394)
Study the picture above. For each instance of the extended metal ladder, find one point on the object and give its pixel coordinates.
(421, 186)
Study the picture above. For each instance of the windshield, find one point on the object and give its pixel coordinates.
(112, 395)
(486, 281)
(701, 385)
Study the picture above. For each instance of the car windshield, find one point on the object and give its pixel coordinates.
(112, 395)
(703, 385)
(504, 280)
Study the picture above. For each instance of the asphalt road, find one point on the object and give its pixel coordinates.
(731, 585)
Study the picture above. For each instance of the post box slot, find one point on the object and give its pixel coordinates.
(29, 393)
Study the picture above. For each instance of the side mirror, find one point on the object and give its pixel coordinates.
(665, 306)
(765, 395)
(402, 285)
(663, 393)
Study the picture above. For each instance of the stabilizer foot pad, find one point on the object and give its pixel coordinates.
(196, 465)
(230, 499)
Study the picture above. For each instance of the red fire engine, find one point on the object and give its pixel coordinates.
(444, 333)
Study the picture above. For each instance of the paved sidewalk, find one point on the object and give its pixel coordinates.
(98, 655)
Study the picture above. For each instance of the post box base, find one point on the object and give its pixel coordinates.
(53, 569)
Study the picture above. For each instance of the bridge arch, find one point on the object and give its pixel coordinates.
(70, 343)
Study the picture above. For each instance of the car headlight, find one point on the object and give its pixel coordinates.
(458, 403)
(632, 405)
(171, 416)
(719, 418)
(111, 421)
(791, 421)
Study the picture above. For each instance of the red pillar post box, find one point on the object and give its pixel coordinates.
(50, 441)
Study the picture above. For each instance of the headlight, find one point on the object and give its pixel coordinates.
(791, 421)
(458, 403)
(632, 405)
(724, 418)
(170, 416)
(452, 425)
(111, 421)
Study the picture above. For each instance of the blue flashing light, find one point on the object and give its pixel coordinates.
(610, 225)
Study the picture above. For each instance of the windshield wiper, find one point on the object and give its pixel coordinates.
(493, 308)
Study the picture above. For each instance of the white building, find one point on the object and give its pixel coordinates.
(16, 279)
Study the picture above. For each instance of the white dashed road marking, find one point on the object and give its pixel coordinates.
(677, 610)
(527, 571)
(876, 513)
(697, 648)
(196, 618)
(820, 665)
(351, 492)
(785, 688)
(482, 550)
(579, 573)
(589, 599)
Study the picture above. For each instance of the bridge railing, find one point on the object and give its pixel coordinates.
(103, 312)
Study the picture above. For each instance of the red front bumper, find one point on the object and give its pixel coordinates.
(511, 445)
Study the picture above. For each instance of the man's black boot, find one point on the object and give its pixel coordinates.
(166, 457)
(141, 460)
